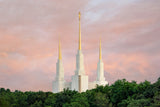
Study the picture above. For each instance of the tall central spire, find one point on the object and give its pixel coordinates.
(60, 54)
(80, 76)
(100, 51)
(79, 31)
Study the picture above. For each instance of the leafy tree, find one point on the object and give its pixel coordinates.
(156, 100)
(101, 100)
(4, 103)
(124, 103)
(78, 100)
(121, 90)
(37, 104)
(139, 103)
(143, 86)
(2, 90)
(120, 94)
(90, 94)
(50, 100)
(64, 97)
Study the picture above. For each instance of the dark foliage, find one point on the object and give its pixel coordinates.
(120, 94)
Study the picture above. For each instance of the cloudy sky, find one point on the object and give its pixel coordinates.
(29, 32)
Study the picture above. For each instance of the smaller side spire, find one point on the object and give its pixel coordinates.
(100, 51)
(60, 54)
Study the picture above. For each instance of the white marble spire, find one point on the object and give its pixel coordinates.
(58, 84)
(59, 65)
(79, 80)
(100, 69)
(79, 57)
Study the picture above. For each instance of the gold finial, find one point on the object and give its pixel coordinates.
(60, 54)
(79, 31)
(79, 15)
(100, 50)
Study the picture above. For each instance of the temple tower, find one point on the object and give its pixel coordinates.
(100, 69)
(80, 79)
(58, 84)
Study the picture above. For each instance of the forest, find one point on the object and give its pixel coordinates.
(119, 94)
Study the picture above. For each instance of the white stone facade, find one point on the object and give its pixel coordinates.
(79, 80)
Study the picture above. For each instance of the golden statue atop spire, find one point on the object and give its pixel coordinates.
(79, 31)
(60, 54)
(100, 50)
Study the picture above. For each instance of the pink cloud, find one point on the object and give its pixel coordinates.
(29, 33)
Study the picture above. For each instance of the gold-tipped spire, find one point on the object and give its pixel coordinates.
(60, 54)
(100, 50)
(79, 31)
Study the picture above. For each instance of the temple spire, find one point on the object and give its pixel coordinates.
(100, 51)
(60, 54)
(79, 31)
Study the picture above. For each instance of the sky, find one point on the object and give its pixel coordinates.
(30, 29)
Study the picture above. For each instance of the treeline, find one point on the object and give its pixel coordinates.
(120, 94)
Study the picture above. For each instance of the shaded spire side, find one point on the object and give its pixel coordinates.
(79, 31)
